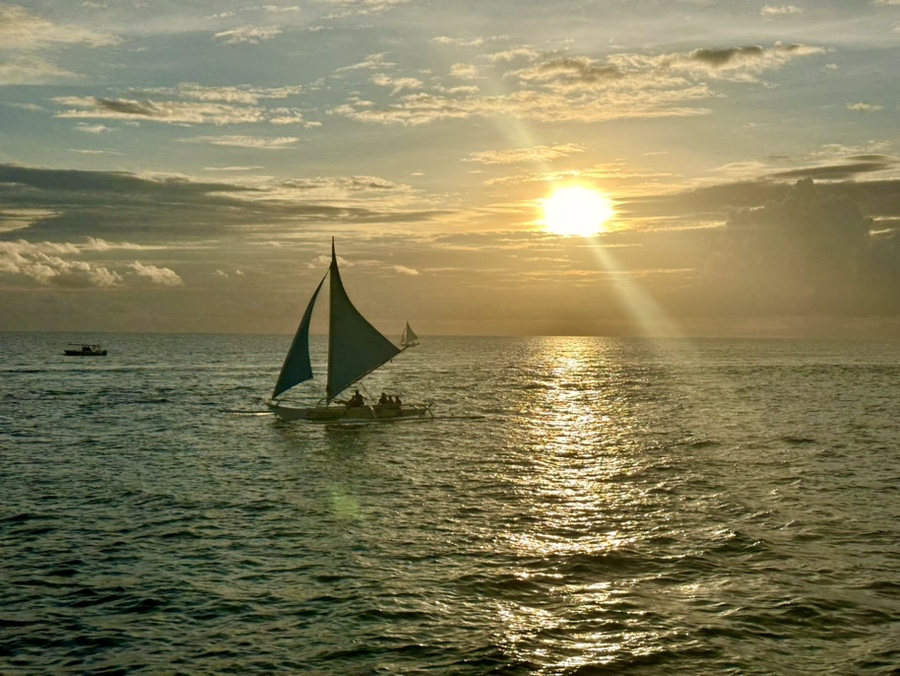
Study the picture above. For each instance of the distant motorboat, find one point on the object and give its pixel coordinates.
(355, 349)
(85, 350)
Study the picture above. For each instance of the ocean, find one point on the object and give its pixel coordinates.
(576, 506)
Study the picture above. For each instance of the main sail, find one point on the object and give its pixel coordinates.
(355, 347)
(296, 368)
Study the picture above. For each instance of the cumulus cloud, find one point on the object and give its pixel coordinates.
(63, 264)
(161, 276)
(403, 270)
(811, 251)
(44, 263)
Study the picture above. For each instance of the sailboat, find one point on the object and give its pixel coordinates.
(355, 349)
(408, 338)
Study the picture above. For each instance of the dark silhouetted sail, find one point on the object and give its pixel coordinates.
(296, 368)
(355, 347)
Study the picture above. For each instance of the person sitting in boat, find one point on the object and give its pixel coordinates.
(356, 401)
(383, 400)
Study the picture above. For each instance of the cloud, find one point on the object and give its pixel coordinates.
(865, 107)
(809, 252)
(403, 270)
(572, 88)
(44, 263)
(291, 116)
(254, 142)
(32, 70)
(464, 71)
(235, 94)
(396, 85)
(371, 62)
(849, 168)
(536, 154)
(93, 128)
(21, 29)
(12, 219)
(225, 275)
(172, 112)
(577, 70)
(153, 210)
(739, 64)
(364, 7)
(160, 276)
(247, 35)
(459, 42)
(190, 103)
(779, 11)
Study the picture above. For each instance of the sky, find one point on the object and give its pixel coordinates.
(172, 166)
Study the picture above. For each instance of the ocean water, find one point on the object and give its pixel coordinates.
(577, 506)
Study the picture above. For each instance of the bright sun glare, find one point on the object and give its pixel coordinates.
(576, 211)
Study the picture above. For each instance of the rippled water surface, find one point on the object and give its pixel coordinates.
(578, 505)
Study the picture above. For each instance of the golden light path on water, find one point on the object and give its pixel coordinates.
(580, 499)
(588, 495)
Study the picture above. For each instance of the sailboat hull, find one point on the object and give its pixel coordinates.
(344, 414)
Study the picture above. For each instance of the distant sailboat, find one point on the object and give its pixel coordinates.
(408, 337)
(355, 349)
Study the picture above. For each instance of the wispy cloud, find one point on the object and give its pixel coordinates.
(256, 142)
(93, 128)
(363, 7)
(172, 112)
(522, 155)
(32, 70)
(244, 35)
(21, 29)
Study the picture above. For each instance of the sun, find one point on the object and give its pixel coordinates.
(576, 210)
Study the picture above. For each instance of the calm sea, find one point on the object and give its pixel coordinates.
(577, 506)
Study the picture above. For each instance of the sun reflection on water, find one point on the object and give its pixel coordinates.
(578, 419)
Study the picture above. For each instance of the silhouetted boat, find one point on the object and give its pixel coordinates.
(355, 349)
(85, 350)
